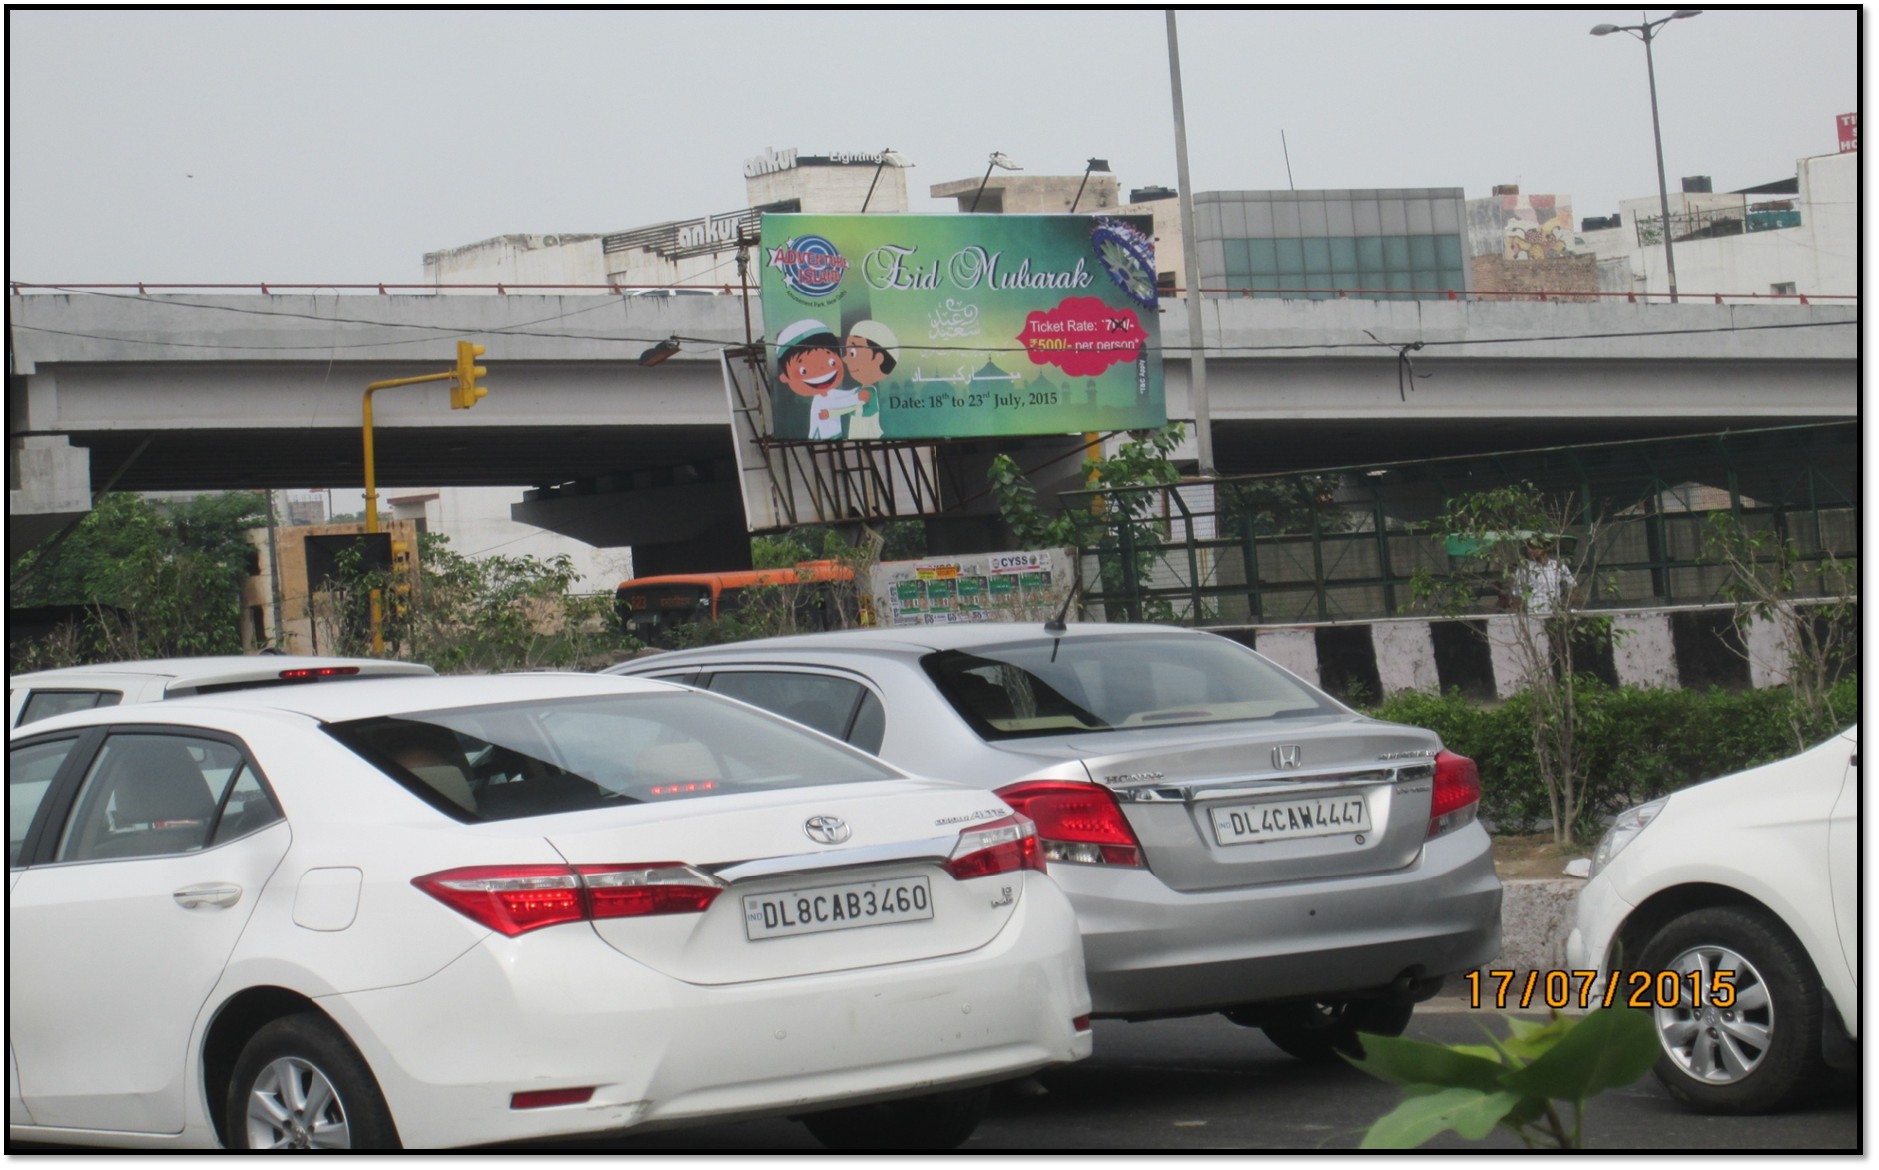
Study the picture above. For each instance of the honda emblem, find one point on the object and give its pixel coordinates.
(1288, 755)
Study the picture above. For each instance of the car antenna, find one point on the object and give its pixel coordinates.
(1055, 627)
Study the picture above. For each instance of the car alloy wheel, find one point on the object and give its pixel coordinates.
(299, 1084)
(1719, 1045)
(1762, 1050)
(293, 1106)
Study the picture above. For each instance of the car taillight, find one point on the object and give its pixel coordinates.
(511, 899)
(1078, 822)
(1457, 792)
(1000, 846)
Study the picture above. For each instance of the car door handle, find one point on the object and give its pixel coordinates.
(218, 894)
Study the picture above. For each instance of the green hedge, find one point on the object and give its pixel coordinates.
(1641, 743)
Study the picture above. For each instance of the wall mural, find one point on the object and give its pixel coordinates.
(1536, 227)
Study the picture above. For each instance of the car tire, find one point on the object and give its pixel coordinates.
(1763, 1052)
(1322, 1033)
(300, 1084)
(942, 1121)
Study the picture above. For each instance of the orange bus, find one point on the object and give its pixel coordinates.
(649, 607)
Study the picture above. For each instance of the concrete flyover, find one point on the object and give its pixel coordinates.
(208, 391)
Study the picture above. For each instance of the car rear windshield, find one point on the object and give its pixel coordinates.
(1051, 686)
(505, 761)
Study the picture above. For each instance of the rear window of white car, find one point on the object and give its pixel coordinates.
(500, 762)
(1052, 686)
(46, 704)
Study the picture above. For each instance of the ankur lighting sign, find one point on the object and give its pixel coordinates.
(950, 326)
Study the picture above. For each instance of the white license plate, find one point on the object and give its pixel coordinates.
(841, 907)
(1282, 820)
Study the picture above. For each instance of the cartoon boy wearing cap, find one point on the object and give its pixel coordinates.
(809, 362)
(871, 354)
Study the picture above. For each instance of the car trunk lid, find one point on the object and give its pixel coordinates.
(1336, 796)
(792, 904)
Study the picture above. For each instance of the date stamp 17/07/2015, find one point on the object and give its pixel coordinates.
(1583, 989)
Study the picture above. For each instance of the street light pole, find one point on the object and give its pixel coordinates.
(1190, 260)
(1646, 32)
(998, 159)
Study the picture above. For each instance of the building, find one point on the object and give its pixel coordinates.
(1385, 244)
(285, 594)
(1797, 236)
(688, 252)
(1523, 247)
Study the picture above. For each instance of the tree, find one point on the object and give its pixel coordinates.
(1120, 524)
(1767, 576)
(900, 540)
(1282, 505)
(162, 579)
(1491, 539)
(475, 615)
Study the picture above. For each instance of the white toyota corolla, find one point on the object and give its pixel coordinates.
(436, 912)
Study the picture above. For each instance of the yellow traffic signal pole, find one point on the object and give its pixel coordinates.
(463, 395)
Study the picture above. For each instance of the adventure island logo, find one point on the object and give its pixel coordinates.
(811, 266)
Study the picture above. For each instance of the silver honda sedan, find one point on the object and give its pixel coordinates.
(1232, 838)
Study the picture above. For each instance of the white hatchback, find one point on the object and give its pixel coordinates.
(455, 911)
(1730, 910)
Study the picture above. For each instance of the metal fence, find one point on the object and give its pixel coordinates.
(1346, 543)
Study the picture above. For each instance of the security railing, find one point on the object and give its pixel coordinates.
(1345, 544)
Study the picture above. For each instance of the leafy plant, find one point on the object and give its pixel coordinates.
(1282, 505)
(1119, 523)
(1767, 575)
(1639, 744)
(159, 579)
(1519, 1083)
(465, 615)
(1489, 535)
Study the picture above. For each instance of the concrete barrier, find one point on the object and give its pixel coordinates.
(1536, 916)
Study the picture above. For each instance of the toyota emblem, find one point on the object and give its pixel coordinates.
(827, 830)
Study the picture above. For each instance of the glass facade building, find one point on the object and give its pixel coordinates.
(1400, 244)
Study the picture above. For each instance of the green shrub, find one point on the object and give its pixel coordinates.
(1639, 743)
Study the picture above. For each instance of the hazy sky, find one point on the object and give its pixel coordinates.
(341, 146)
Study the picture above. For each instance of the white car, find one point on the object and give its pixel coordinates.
(1731, 911)
(45, 693)
(455, 911)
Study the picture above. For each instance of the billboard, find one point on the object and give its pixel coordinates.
(952, 326)
(1848, 125)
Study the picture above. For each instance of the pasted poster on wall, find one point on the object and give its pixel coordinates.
(948, 326)
(975, 587)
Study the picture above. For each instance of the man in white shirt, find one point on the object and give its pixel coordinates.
(1543, 584)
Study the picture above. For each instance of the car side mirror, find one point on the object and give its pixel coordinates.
(1579, 867)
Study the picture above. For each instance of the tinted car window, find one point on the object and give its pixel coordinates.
(813, 700)
(150, 795)
(513, 760)
(870, 724)
(30, 772)
(1050, 686)
(46, 704)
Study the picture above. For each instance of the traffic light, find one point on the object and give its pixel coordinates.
(464, 392)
